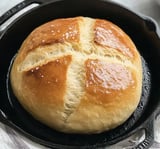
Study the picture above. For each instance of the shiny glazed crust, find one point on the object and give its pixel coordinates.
(78, 75)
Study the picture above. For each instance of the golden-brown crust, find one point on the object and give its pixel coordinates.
(48, 81)
(56, 31)
(108, 34)
(105, 81)
(88, 88)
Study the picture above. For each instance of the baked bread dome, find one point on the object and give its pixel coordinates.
(78, 75)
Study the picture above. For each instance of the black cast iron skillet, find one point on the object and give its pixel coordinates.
(143, 31)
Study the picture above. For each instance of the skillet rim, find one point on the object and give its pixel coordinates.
(140, 16)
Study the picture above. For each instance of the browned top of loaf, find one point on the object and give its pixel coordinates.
(67, 30)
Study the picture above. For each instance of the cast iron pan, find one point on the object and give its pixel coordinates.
(143, 31)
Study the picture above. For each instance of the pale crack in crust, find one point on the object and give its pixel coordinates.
(75, 87)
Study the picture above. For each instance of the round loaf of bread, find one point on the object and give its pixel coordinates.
(78, 75)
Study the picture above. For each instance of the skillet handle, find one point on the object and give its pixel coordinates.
(18, 8)
(3, 118)
(149, 135)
